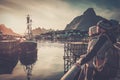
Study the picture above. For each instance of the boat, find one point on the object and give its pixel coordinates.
(8, 53)
(28, 46)
(28, 53)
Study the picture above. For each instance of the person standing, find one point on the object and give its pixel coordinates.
(101, 50)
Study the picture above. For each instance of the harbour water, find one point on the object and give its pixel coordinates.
(49, 65)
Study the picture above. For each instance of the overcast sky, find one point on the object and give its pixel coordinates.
(53, 14)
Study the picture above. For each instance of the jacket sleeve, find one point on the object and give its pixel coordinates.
(102, 40)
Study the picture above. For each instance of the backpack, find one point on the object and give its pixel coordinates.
(106, 62)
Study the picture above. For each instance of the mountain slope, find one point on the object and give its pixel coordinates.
(7, 31)
(83, 22)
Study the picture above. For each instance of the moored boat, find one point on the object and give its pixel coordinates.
(28, 46)
(8, 54)
(28, 53)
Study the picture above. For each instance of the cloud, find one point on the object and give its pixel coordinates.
(116, 14)
(106, 8)
(45, 13)
(10, 5)
(54, 14)
(110, 4)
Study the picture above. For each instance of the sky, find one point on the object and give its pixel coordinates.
(52, 14)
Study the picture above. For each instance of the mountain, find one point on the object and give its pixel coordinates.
(86, 20)
(39, 30)
(7, 31)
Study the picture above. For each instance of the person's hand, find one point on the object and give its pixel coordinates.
(80, 66)
(77, 64)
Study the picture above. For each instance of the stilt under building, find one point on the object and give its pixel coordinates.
(72, 52)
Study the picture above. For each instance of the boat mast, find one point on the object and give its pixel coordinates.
(29, 35)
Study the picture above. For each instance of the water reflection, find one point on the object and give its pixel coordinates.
(49, 65)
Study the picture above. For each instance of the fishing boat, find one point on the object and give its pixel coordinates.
(28, 53)
(28, 46)
(8, 53)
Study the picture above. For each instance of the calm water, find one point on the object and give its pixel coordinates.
(49, 65)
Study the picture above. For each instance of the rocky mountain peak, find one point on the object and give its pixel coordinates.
(84, 21)
(7, 31)
(89, 11)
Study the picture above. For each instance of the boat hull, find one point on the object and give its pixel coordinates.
(8, 56)
(28, 53)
